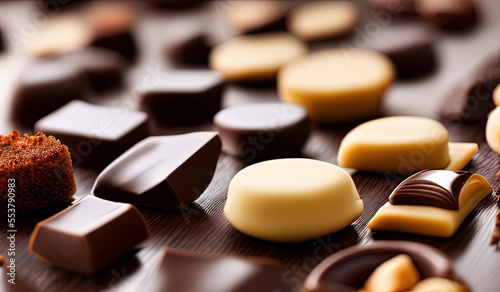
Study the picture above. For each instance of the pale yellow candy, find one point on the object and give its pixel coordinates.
(323, 20)
(255, 57)
(496, 96)
(428, 220)
(395, 275)
(292, 200)
(493, 130)
(439, 285)
(403, 144)
(337, 85)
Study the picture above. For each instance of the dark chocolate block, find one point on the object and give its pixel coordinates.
(263, 130)
(472, 100)
(437, 188)
(10, 278)
(347, 270)
(188, 46)
(185, 271)
(448, 14)
(167, 172)
(89, 235)
(95, 135)
(184, 97)
(409, 47)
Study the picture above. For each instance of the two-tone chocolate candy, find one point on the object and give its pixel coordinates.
(167, 172)
(186, 271)
(432, 203)
(89, 235)
(95, 135)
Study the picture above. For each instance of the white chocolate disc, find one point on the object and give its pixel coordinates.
(255, 57)
(493, 130)
(338, 84)
(323, 20)
(292, 200)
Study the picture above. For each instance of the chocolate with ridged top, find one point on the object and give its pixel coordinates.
(436, 188)
(167, 172)
(185, 271)
(347, 270)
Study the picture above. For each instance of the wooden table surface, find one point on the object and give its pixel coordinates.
(203, 228)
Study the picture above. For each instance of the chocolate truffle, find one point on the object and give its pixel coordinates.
(36, 170)
(186, 271)
(184, 97)
(89, 235)
(95, 135)
(263, 130)
(167, 172)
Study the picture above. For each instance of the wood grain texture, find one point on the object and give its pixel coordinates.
(203, 227)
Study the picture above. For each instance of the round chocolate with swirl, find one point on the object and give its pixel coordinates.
(436, 188)
(348, 270)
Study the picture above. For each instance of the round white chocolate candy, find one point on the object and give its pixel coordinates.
(493, 130)
(496, 96)
(255, 57)
(323, 20)
(292, 200)
(337, 85)
(402, 144)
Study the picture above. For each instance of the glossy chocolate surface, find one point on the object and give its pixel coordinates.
(95, 135)
(184, 97)
(167, 172)
(347, 270)
(436, 188)
(409, 47)
(185, 271)
(89, 235)
(263, 130)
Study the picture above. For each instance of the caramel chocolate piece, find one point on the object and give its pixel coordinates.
(409, 47)
(431, 188)
(448, 14)
(472, 100)
(89, 235)
(263, 130)
(185, 271)
(184, 97)
(95, 135)
(167, 172)
(10, 278)
(348, 270)
(36, 170)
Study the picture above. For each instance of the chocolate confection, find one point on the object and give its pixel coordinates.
(394, 6)
(89, 235)
(409, 47)
(188, 46)
(496, 233)
(36, 169)
(167, 172)
(263, 130)
(448, 14)
(10, 280)
(349, 269)
(174, 3)
(256, 16)
(184, 97)
(472, 100)
(185, 271)
(431, 188)
(95, 135)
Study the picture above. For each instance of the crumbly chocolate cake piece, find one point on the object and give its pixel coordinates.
(42, 172)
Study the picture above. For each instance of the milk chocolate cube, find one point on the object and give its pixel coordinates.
(167, 172)
(88, 236)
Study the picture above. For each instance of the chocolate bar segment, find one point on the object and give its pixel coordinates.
(95, 135)
(348, 270)
(88, 236)
(167, 172)
(185, 271)
(184, 97)
(437, 188)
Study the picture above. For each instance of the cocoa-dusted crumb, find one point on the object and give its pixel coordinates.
(41, 167)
